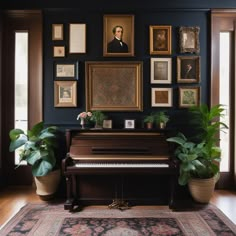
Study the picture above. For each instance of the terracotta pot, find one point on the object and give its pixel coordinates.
(149, 125)
(46, 186)
(202, 189)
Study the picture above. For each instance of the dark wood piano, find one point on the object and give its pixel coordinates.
(122, 159)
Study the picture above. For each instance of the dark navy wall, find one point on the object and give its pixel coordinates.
(94, 39)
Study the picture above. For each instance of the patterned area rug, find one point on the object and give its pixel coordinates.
(49, 220)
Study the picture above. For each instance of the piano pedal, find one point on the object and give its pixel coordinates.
(119, 204)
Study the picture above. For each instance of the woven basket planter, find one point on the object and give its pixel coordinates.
(202, 189)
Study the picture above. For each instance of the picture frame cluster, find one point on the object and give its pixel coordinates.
(66, 71)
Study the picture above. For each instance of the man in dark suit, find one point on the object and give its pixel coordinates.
(189, 73)
(117, 45)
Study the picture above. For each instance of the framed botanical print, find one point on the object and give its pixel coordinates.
(188, 69)
(160, 39)
(189, 39)
(118, 35)
(161, 70)
(65, 93)
(66, 70)
(57, 31)
(189, 96)
(161, 97)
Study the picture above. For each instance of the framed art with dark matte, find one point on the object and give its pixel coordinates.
(161, 70)
(114, 86)
(162, 97)
(65, 93)
(57, 31)
(66, 70)
(189, 39)
(118, 35)
(160, 39)
(77, 38)
(188, 69)
(189, 96)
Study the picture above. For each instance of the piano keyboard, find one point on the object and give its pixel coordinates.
(122, 165)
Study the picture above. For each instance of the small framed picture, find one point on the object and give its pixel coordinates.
(57, 31)
(59, 51)
(189, 39)
(189, 96)
(65, 93)
(160, 39)
(107, 124)
(188, 69)
(118, 35)
(161, 72)
(161, 97)
(77, 38)
(129, 124)
(66, 70)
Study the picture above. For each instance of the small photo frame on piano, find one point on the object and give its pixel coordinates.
(107, 124)
(129, 124)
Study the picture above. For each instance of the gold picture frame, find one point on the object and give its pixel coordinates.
(188, 69)
(189, 96)
(160, 39)
(161, 70)
(162, 97)
(114, 86)
(111, 47)
(189, 39)
(57, 31)
(77, 38)
(65, 93)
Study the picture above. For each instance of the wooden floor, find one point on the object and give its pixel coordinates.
(12, 199)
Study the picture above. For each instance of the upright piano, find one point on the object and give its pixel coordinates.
(116, 152)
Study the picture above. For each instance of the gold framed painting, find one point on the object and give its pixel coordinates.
(160, 39)
(118, 35)
(161, 70)
(161, 97)
(65, 93)
(188, 69)
(189, 96)
(189, 39)
(114, 86)
(57, 31)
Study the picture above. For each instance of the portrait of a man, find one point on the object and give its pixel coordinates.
(118, 35)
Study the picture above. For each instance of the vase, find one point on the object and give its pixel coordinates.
(82, 123)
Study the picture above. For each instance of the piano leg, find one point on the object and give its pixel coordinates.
(172, 191)
(69, 201)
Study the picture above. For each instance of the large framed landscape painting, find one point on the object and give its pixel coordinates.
(114, 86)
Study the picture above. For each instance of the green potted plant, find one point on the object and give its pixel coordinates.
(37, 147)
(199, 160)
(149, 120)
(98, 117)
(161, 119)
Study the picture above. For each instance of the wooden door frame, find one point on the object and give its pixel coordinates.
(30, 21)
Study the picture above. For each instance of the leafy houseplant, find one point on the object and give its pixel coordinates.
(37, 147)
(162, 118)
(200, 160)
(98, 117)
(149, 120)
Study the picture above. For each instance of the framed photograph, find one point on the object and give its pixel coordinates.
(189, 39)
(107, 124)
(189, 96)
(114, 86)
(67, 70)
(160, 39)
(161, 70)
(57, 31)
(161, 97)
(65, 93)
(118, 35)
(129, 124)
(59, 51)
(77, 38)
(188, 69)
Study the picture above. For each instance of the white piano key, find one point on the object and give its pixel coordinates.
(122, 165)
